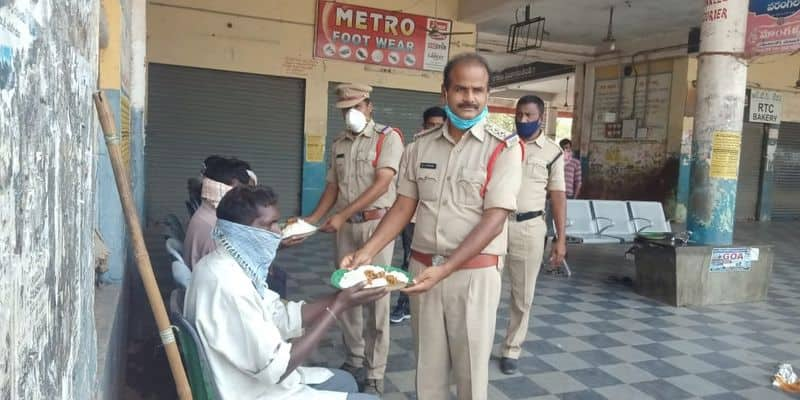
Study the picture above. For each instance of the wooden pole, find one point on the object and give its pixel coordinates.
(139, 249)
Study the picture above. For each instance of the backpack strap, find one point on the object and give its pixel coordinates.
(381, 138)
(493, 160)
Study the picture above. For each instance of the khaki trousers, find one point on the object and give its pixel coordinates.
(453, 326)
(524, 259)
(366, 337)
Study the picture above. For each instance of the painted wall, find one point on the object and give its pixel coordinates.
(114, 80)
(48, 131)
(630, 169)
(659, 171)
(276, 38)
(122, 80)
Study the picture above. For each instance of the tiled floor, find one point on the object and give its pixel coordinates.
(592, 337)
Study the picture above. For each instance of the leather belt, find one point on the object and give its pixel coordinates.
(520, 217)
(479, 261)
(367, 215)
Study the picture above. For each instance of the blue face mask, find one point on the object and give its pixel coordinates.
(253, 248)
(527, 129)
(464, 124)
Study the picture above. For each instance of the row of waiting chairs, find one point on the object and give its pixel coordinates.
(175, 237)
(613, 221)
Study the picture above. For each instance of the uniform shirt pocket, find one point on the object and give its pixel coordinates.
(536, 170)
(364, 161)
(468, 187)
(428, 184)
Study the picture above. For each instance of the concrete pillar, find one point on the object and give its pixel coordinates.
(721, 84)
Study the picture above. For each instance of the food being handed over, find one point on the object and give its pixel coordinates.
(373, 275)
(298, 227)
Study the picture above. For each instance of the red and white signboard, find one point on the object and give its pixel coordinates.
(773, 27)
(372, 36)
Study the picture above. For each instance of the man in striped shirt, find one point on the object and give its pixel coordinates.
(572, 170)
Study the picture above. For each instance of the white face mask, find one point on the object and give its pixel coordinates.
(355, 120)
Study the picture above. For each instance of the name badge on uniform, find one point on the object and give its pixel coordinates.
(427, 165)
(340, 155)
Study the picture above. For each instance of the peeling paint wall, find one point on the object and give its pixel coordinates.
(629, 171)
(48, 131)
(633, 169)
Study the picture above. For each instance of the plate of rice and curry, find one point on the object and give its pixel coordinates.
(297, 228)
(375, 276)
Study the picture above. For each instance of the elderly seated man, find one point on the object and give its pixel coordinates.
(243, 325)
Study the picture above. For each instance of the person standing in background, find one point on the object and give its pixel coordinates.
(542, 176)
(462, 179)
(572, 170)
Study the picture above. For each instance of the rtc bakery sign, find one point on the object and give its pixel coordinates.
(371, 36)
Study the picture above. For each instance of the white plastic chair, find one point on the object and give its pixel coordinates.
(181, 273)
(582, 226)
(175, 249)
(648, 216)
(613, 219)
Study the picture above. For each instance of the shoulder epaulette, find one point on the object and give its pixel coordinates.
(509, 138)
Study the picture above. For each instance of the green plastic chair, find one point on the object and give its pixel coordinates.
(193, 354)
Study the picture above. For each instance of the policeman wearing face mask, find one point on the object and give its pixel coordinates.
(462, 179)
(542, 174)
(361, 186)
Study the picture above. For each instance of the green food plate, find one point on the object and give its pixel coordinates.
(337, 275)
(655, 235)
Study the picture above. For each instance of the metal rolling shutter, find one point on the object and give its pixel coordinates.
(193, 113)
(786, 195)
(395, 107)
(749, 171)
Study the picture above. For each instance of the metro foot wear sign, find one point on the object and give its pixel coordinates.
(381, 37)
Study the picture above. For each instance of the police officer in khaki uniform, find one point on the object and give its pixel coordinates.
(542, 174)
(361, 184)
(464, 176)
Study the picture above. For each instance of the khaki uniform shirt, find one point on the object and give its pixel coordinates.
(446, 177)
(351, 166)
(537, 178)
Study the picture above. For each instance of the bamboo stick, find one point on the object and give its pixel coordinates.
(139, 249)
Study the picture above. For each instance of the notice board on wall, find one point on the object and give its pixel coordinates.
(651, 100)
